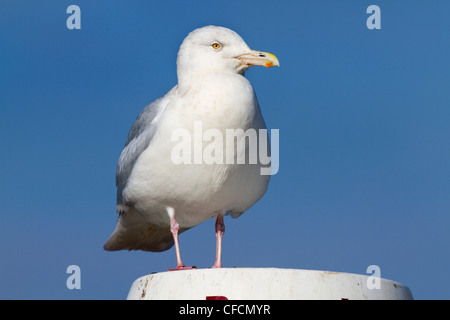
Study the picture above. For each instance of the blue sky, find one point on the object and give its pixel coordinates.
(363, 117)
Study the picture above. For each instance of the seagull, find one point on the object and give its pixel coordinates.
(159, 198)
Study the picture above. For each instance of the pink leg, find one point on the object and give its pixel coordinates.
(174, 227)
(220, 230)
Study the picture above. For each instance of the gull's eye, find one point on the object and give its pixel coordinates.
(216, 46)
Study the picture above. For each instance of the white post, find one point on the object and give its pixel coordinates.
(263, 284)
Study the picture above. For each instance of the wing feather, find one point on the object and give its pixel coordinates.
(139, 138)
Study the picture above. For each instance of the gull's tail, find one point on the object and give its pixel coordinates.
(134, 233)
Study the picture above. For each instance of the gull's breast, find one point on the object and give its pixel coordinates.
(199, 188)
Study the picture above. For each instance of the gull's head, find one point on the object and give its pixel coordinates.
(218, 49)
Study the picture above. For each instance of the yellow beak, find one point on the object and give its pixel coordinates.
(259, 58)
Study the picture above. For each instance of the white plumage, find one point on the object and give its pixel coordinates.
(157, 198)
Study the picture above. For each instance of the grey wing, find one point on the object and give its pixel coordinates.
(139, 138)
